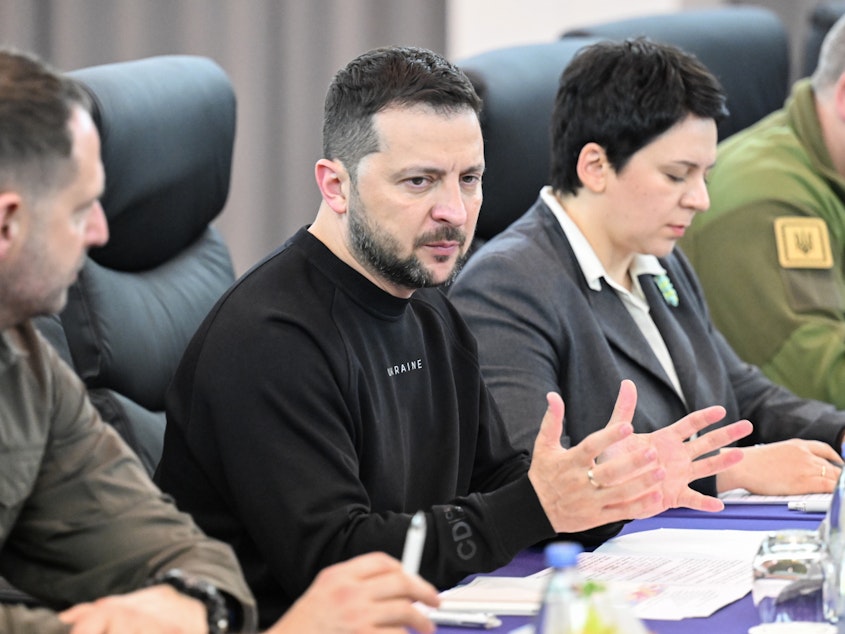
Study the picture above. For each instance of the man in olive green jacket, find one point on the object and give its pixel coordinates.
(82, 528)
(79, 519)
(770, 251)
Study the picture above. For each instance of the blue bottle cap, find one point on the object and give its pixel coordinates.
(562, 554)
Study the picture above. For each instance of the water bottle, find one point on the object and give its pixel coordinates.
(831, 535)
(562, 609)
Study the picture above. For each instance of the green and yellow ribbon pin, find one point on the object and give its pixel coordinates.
(670, 295)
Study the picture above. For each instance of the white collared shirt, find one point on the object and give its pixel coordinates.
(634, 300)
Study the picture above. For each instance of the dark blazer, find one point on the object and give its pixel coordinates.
(540, 328)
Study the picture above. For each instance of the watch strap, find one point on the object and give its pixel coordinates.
(202, 590)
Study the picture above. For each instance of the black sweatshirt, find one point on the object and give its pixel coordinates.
(313, 414)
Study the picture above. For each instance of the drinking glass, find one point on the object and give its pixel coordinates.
(789, 572)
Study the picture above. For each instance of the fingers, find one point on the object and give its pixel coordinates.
(645, 506)
(699, 502)
(696, 421)
(824, 474)
(718, 438)
(598, 441)
(386, 577)
(400, 585)
(823, 450)
(781, 468)
(824, 484)
(368, 565)
(551, 427)
(626, 403)
(819, 466)
(85, 621)
(625, 466)
(635, 498)
(367, 593)
(73, 613)
(82, 618)
(715, 464)
(402, 614)
(629, 482)
(392, 594)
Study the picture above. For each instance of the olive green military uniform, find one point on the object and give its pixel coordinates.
(769, 252)
(79, 517)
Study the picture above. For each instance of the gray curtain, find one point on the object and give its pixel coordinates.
(280, 55)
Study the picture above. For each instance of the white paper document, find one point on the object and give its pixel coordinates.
(666, 574)
(741, 496)
(672, 574)
(498, 595)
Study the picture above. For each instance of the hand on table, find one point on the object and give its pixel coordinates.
(789, 467)
(154, 609)
(368, 594)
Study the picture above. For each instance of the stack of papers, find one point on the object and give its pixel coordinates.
(741, 496)
(498, 595)
(665, 574)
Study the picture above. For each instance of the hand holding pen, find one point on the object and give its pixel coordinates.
(368, 593)
(411, 557)
(414, 544)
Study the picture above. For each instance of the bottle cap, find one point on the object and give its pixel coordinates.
(562, 554)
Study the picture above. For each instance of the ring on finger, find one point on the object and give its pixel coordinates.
(592, 478)
(824, 470)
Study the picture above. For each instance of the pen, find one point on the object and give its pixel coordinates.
(481, 620)
(414, 542)
(810, 506)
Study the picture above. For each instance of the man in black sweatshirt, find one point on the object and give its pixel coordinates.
(334, 390)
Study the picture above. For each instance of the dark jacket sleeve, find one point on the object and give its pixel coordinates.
(19, 619)
(94, 524)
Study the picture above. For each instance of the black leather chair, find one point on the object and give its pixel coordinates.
(746, 47)
(518, 86)
(167, 126)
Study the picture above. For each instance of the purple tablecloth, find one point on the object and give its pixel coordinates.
(732, 619)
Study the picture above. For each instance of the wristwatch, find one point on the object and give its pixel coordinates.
(215, 603)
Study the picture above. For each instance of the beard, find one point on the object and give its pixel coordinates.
(33, 285)
(379, 252)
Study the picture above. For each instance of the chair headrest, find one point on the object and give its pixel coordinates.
(518, 86)
(167, 127)
(745, 47)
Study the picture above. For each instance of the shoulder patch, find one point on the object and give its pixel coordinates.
(803, 243)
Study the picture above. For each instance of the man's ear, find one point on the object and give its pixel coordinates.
(593, 167)
(10, 220)
(333, 182)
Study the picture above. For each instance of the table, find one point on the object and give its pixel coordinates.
(735, 618)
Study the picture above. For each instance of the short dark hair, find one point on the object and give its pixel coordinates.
(622, 95)
(380, 79)
(36, 104)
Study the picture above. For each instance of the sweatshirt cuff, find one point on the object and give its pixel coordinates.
(520, 518)
(531, 527)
